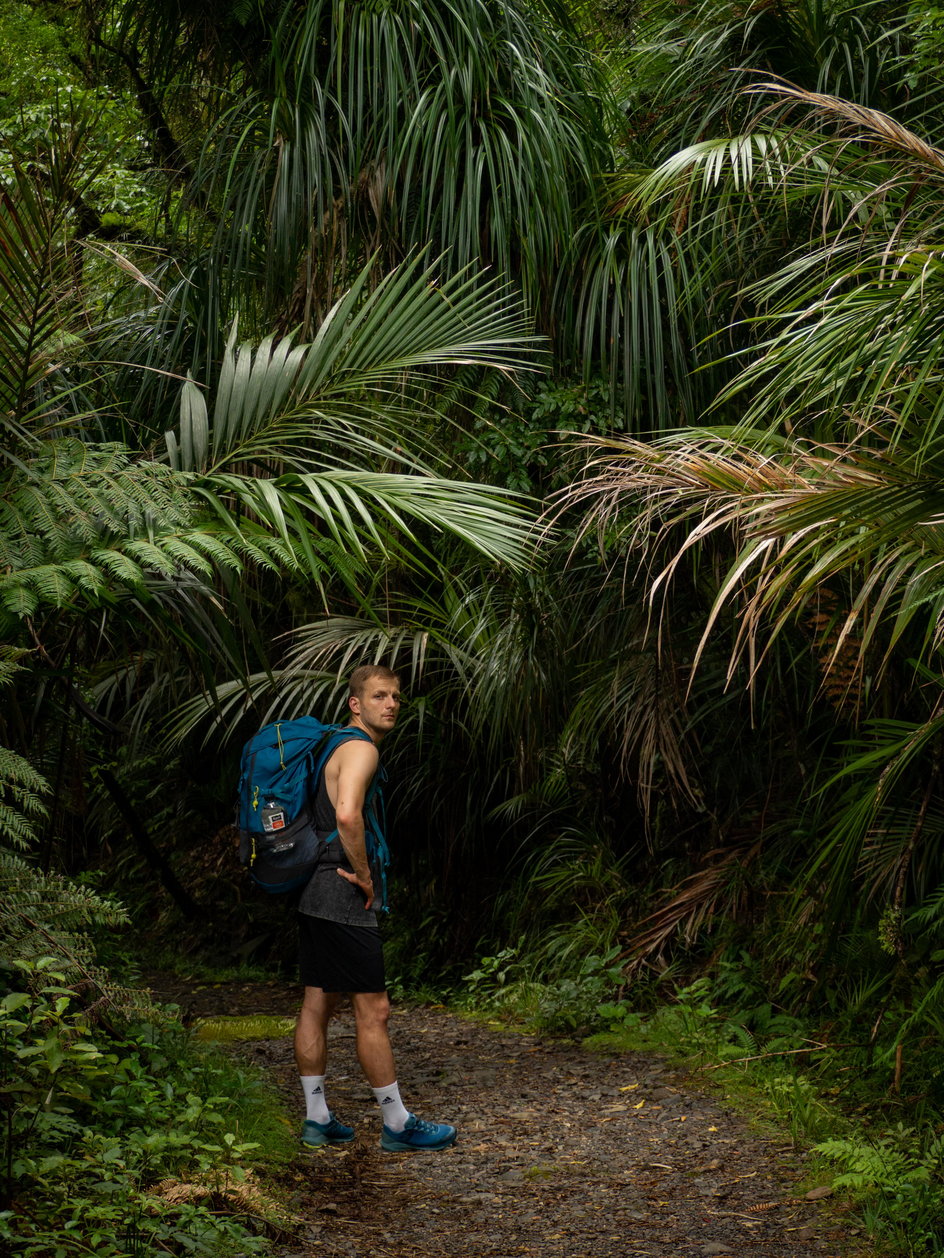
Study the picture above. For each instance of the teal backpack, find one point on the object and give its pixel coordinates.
(279, 773)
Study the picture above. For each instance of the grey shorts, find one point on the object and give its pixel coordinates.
(339, 958)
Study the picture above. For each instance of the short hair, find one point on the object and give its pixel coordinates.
(363, 675)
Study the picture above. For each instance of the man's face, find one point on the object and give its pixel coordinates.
(377, 706)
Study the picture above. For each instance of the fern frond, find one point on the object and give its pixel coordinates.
(12, 661)
(47, 916)
(15, 828)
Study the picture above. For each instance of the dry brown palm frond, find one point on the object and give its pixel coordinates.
(797, 520)
(859, 122)
(721, 887)
(649, 720)
(838, 653)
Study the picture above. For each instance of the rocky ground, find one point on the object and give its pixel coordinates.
(562, 1153)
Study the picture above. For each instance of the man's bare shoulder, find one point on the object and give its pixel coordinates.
(357, 753)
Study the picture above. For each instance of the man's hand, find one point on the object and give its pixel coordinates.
(365, 885)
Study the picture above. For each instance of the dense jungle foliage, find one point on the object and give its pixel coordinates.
(581, 361)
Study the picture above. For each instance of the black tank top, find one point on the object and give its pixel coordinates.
(328, 895)
(323, 813)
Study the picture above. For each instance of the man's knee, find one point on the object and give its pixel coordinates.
(371, 1009)
(318, 1004)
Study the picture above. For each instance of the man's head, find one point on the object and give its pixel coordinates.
(374, 699)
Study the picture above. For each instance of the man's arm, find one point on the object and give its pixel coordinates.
(357, 762)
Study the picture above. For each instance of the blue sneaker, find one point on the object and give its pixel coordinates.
(418, 1134)
(314, 1135)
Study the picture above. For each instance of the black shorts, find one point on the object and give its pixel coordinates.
(339, 958)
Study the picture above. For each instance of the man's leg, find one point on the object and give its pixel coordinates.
(401, 1129)
(371, 1016)
(311, 1057)
(311, 1030)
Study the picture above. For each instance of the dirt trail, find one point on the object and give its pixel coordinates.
(562, 1153)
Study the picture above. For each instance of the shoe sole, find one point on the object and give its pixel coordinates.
(398, 1147)
(326, 1140)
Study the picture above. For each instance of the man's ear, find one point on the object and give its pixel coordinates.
(354, 703)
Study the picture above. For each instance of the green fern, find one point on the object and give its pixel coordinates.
(895, 1163)
(89, 521)
(21, 799)
(48, 916)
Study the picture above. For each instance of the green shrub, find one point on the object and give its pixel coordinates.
(898, 1177)
(94, 1120)
(575, 1000)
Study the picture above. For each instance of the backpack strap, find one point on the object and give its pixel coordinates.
(375, 830)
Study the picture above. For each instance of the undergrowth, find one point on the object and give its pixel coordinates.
(124, 1139)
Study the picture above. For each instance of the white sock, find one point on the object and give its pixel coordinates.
(392, 1108)
(314, 1088)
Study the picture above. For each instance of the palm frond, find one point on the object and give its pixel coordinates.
(720, 888)
(656, 281)
(800, 519)
(361, 511)
(285, 402)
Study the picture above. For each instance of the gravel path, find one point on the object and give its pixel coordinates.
(562, 1153)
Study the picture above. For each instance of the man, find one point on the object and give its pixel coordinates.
(340, 950)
